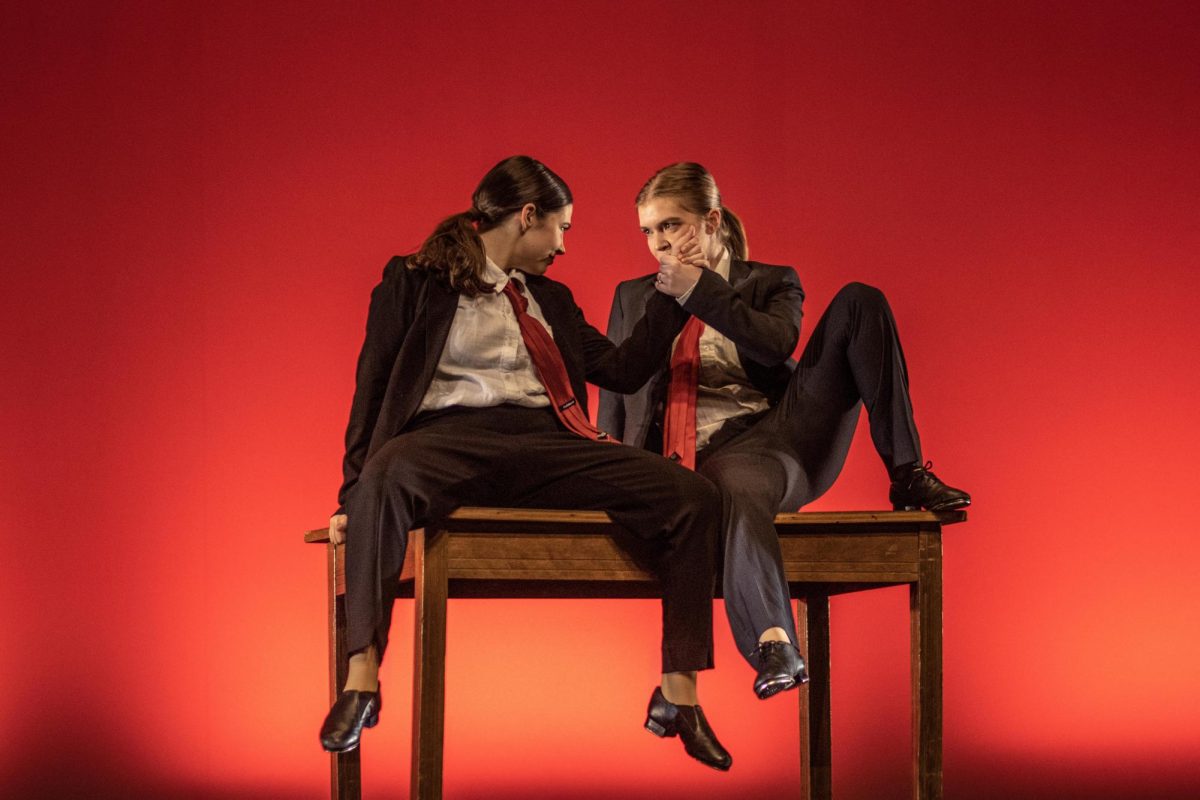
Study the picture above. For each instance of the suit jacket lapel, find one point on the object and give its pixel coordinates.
(440, 306)
(545, 300)
(558, 317)
(739, 273)
(417, 361)
(739, 277)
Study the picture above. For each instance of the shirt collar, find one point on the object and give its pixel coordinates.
(722, 267)
(493, 274)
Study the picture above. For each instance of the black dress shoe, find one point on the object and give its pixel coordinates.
(351, 712)
(664, 718)
(914, 487)
(780, 668)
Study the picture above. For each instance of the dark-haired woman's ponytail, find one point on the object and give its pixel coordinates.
(735, 235)
(455, 251)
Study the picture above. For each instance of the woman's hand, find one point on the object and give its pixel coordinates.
(678, 271)
(688, 251)
(337, 528)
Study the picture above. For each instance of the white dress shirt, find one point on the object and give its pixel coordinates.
(724, 390)
(485, 362)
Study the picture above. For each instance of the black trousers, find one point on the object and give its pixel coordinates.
(790, 456)
(521, 457)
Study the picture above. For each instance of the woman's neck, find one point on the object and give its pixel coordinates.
(498, 244)
(715, 251)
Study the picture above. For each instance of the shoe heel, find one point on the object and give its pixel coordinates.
(658, 730)
(903, 507)
(371, 721)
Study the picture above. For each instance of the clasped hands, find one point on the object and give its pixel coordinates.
(680, 267)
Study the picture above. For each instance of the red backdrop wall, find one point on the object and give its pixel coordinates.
(198, 198)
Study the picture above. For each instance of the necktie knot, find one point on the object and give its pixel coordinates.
(516, 293)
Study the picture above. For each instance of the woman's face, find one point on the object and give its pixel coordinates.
(542, 240)
(664, 222)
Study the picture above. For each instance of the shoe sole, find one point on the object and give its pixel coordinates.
(952, 506)
(782, 685)
(349, 749)
(663, 733)
(775, 687)
(658, 730)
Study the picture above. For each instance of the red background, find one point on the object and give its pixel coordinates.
(198, 198)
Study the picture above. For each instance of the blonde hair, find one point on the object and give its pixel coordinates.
(696, 190)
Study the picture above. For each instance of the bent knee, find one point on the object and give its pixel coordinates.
(761, 498)
(862, 294)
(752, 482)
(700, 491)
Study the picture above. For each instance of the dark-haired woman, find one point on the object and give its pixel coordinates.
(731, 403)
(470, 390)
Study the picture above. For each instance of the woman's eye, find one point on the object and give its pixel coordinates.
(668, 226)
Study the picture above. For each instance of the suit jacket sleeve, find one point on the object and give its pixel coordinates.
(611, 415)
(626, 367)
(385, 334)
(767, 335)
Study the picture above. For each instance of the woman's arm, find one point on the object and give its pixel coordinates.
(611, 415)
(626, 367)
(767, 335)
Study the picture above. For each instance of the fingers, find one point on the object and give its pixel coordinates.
(337, 528)
(687, 242)
(678, 268)
(688, 252)
(662, 281)
(676, 280)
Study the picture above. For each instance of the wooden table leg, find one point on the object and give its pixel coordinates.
(345, 772)
(925, 615)
(430, 570)
(816, 763)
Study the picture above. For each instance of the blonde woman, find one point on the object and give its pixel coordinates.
(732, 404)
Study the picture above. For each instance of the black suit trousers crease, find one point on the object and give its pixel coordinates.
(792, 455)
(522, 457)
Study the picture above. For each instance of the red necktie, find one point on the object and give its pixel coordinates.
(679, 422)
(547, 360)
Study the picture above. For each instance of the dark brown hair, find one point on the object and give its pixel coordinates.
(696, 190)
(454, 249)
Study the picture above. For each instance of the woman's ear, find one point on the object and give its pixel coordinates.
(527, 216)
(712, 221)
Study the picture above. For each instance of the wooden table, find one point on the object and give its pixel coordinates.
(529, 553)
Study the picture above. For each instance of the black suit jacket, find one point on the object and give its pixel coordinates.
(758, 308)
(407, 326)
